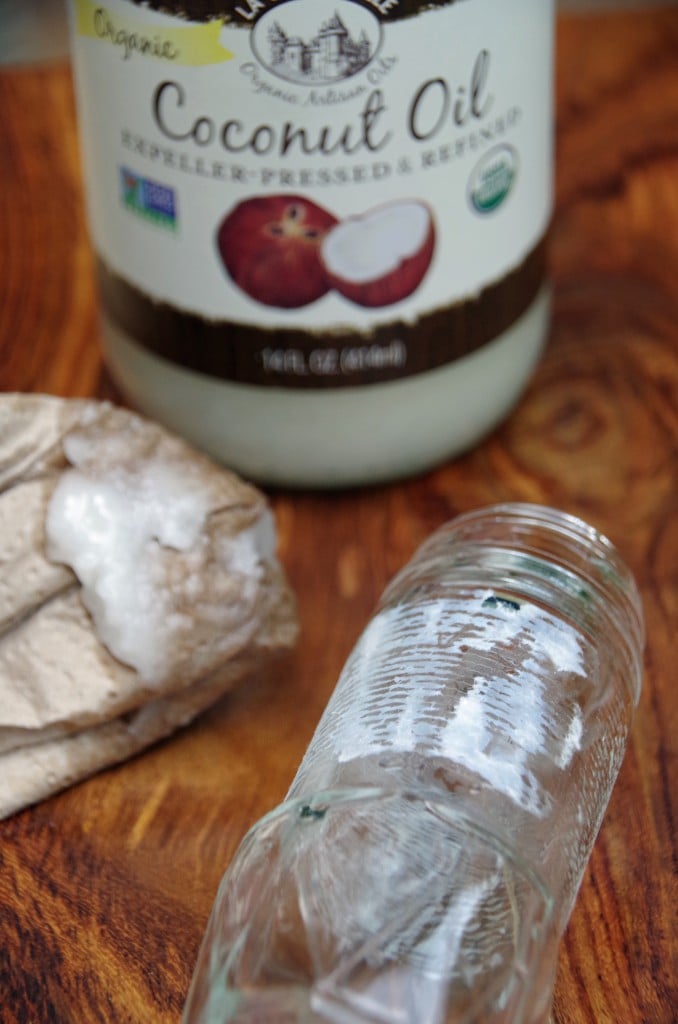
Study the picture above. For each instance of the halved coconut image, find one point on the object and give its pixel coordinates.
(382, 256)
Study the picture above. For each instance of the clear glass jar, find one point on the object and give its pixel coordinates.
(319, 226)
(428, 855)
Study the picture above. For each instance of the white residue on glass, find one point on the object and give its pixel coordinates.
(466, 682)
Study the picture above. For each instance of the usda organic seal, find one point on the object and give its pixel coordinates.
(492, 178)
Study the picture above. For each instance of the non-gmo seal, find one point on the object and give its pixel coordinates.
(492, 178)
(316, 42)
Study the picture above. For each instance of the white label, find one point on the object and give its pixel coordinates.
(316, 164)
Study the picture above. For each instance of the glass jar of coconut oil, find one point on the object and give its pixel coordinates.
(319, 224)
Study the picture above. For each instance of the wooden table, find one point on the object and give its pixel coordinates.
(105, 889)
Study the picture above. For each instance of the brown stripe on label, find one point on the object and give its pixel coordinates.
(284, 357)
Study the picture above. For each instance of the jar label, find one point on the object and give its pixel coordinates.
(316, 193)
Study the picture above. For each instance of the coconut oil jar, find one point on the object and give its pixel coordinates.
(319, 225)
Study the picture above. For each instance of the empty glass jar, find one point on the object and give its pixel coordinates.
(425, 863)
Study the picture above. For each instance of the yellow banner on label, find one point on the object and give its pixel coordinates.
(192, 45)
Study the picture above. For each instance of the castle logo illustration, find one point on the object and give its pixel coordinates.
(337, 48)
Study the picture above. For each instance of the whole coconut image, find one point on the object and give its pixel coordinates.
(269, 246)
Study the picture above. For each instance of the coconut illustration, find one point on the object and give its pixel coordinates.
(270, 247)
(382, 256)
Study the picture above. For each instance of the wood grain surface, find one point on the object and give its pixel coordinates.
(105, 889)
